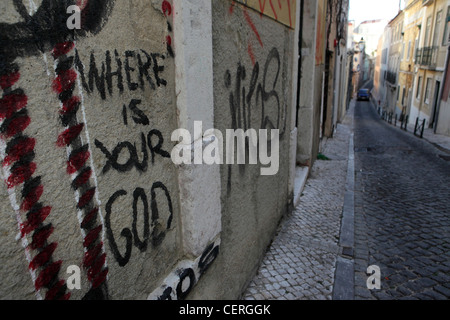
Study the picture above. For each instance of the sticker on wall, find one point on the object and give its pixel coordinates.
(282, 11)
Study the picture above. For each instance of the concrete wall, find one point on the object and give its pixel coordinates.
(312, 77)
(253, 66)
(88, 156)
(86, 123)
(444, 119)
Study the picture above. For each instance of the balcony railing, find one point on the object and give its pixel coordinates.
(426, 56)
(391, 77)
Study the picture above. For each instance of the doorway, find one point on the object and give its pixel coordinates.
(435, 104)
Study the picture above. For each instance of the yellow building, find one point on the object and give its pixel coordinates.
(412, 20)
(395, 31)
(430, 57)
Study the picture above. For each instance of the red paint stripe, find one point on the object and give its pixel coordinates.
(82, 179)
(169, 40)
(43, 257)
(82, 4)
(51, 294)
(88, 218)
(166, 8)
(32, 198)
(17, 125)
(252, 26)
(290, 13)
(77, 161)
(69, 105)
(67, 137)
(273, 10)
(251, 54)
(19, 150)
(86, 198)
(97, 267)
(20, 174)
(8, 80)
(62, 48)
(231, 8)
(33, 221)
(100, 279)
(262, 6)
(91, 255)
(64, 81)
(40, 236)
(11, 103)
(92, 236)
(47, 275)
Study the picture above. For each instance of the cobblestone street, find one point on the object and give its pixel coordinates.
(402, 211)
(401, 219)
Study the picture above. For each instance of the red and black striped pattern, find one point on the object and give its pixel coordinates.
(19, 164)
(94, 261)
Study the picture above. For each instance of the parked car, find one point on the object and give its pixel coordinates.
(363, 94)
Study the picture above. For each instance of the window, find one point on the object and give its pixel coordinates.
(403, 52)
(403, 96)
(408, 54)
(437, 28)
(427, 32)
(419, 85)
(416, 49)
(447, 28)
(427, 91)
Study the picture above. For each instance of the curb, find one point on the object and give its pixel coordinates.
(344, 282)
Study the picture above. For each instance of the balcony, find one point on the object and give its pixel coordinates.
(427, 2)
(427, 56)
(391, 77)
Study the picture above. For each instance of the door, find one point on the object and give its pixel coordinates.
(435, 104)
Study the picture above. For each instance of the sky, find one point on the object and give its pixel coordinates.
(362, 10)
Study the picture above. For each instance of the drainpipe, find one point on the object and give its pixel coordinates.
(299, 73)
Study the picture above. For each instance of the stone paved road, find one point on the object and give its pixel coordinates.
(300, 263)
(402, 212)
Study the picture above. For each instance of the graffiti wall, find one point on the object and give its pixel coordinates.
(85, 118)
(252, 90)
(92, 205)
(282, 11)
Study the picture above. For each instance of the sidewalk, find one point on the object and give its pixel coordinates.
(440, 141)
(301, 262)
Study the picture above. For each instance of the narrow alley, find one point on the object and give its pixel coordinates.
(401, 221)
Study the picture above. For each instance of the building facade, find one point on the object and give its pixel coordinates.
(413, 16)
(394, 59)
(380, 87)
(430, 61)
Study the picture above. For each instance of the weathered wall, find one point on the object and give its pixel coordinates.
(313, 52)
(252, 89)
(87, 181)
(86, 121)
